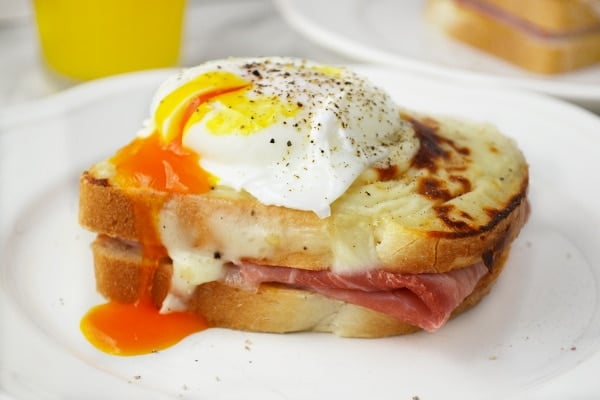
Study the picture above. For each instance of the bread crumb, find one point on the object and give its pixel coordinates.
(247, 344)
(492, 358)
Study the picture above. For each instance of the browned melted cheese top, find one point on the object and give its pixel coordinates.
(436, 153)
(464, 179)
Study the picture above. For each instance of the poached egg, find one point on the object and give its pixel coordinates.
(290, 132)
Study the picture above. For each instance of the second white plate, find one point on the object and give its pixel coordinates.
(395, 32)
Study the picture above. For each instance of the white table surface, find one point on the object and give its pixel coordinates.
(213, 29)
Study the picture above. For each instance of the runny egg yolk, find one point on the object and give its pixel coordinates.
(167, 167)
(237, 112)
(127, 329)
(135, 329)
(160, 160)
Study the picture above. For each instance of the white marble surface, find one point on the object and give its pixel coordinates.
(213, 29)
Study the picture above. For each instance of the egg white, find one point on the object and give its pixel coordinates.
(343, 126)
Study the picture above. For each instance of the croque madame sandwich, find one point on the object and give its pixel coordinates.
(545, 36)
(279, 195)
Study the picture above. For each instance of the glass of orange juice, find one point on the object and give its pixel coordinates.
(87, 39)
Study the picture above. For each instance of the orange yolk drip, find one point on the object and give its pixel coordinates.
(158, 161)
(133, 329)
(138, 328)
(165, 167)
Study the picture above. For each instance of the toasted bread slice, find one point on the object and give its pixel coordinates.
(463, 196)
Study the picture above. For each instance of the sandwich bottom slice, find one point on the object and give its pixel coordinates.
(270, 307)
(430, 242)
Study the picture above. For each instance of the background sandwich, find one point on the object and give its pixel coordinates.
(545, 36)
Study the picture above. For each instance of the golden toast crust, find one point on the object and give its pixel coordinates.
(464, 196)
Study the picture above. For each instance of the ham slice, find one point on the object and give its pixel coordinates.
(424, 300)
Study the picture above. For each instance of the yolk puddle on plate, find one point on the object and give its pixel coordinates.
(134, 329)
(127, 329)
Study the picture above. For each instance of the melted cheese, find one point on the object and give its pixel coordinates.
(193, 265)
(190, 269)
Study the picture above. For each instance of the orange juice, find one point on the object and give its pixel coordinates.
(86, 39)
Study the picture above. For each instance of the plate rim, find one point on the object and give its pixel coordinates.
(335, 41)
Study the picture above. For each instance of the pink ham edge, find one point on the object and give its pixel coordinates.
(424, 300)
(523, 25)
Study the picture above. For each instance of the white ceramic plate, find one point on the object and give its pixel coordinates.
(394, 32)
(536, 335)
